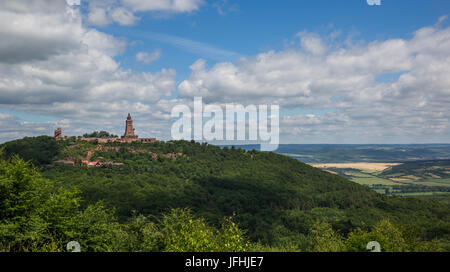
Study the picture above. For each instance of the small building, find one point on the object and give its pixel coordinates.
(93, 163)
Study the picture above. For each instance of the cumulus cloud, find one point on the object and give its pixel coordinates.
(123, 16)
(123, 12)
(52, 65)
(105, 12)
(317, 74)
(163, 5)
(312, 43)
(98, 17)
(35, 37)
(148, 58)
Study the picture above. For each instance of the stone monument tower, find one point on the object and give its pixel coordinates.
(58, 133)
(129, 130)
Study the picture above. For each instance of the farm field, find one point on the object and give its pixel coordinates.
(363, 166)
(408, 179)
(402, 170)
(373, 181)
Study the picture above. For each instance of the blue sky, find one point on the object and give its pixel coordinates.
(250, 27)
(342, 71)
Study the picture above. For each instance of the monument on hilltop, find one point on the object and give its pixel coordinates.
(58, 133)
(129, 130)
(127, 137)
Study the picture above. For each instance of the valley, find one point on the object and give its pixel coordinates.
(415, 179)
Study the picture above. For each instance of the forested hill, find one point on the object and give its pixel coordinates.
(274, 198)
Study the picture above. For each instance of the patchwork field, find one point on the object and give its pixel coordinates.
(418, 178)
(363, 166)
(402, 170)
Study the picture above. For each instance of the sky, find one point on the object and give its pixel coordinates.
(342, 71)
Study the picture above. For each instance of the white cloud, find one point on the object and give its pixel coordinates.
(148, 58)
(312, 43)
(163, 5)
(34, 36)
(98, 17)
(123, 12)
(123, 16)
(324, 75)
(54, 66)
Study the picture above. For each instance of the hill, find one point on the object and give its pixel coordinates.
(276, 199)
(355, 153)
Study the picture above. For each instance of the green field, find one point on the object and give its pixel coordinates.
(409, 179)
(358, 174)
(425, 194)
(373, 181)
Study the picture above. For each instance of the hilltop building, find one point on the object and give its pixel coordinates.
(127, 137)
(129, 130)
(58, 133)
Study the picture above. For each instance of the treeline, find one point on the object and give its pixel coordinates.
(39, 150)
(99, 134)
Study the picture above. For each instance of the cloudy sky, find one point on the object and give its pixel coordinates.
(342, 71)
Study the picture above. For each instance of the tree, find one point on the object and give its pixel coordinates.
(99, 134)
(34, 212)
(184, 233)
(389, 236)
(96, 229)
(325, 239)
(141, 236)
(38, 214)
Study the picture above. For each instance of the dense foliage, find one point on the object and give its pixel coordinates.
(37, 214)
(39, 150)
(281, 204)
(99, 134)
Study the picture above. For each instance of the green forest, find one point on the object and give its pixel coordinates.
(187, 196)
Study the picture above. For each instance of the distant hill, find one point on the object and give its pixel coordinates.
(275, 198)
(346, 153)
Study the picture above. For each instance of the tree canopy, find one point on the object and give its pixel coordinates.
(157, 202)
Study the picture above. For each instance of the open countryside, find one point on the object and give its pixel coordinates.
(417, 178)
